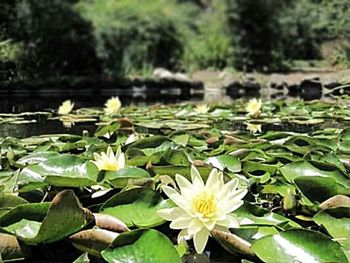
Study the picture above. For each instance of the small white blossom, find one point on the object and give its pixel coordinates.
(253, 108)
(202, 109)
(202, 207)
(253, 128)
(108, 161)
(112, 106)
(66, 107)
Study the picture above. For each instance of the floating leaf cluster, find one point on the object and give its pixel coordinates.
(56, 204)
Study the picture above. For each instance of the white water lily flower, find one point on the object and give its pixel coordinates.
(108, 161)
(253, 128)
(202, 207)
(66, 107)
(254, 108)
(202, 108)
(133, 138)
(112, 106)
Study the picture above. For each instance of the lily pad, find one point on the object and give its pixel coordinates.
(143, 200)
(337, 223)
(298, 245)
(62, 170)
(249, 214)
(64, 217)
(151, 246)
(120, 178)
(225, 161)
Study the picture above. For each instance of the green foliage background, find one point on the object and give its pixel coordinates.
(50, 39)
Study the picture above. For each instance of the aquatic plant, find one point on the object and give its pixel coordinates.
(201, 207)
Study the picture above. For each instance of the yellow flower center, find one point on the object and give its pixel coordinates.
(110, 166)
(205, 204)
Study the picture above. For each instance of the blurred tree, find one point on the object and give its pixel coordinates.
(57, 40)
(256, 33)
(134, 36)
(209, 44)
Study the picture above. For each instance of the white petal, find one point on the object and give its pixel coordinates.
(110, 151)
(184, 185)
(171, 214)
(229, 207)
(96, 156)
(196, 177)
(183, 235)
(180, 223)
(200, 240)
(229, 222)
(226, 196)
(195, 226)
(100, 193)
(175, 197)
(222, 228)
(235, 195)
(121, 161)
(118, 152)
(231, 185)
(233, 221)
(210, 224)
(213, 178)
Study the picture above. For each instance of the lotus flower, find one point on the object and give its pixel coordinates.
(108, 161)
(253, 128)
(202, 108)
(254, 108)
(66, 107)
(112, 106)
(201, 207)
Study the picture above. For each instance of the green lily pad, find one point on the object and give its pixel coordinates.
(150, 246)
(226, 161)
(298, 245)
(313, 168)
(318, 188)
(337, 223)
(143, 200)
(249, 214)
(37, 157)
(120, 178)
(63, 170)
(93, 241)
(64, 217)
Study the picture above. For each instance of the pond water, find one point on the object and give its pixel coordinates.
(44, 106)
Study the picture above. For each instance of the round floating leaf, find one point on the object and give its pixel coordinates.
(313, 168)
(136, 207)
(93, 241)
(249, 214)
(181, 139)
(298, 245)
(7, 202)
(150, 247)
(120, 178)
(176, 157)
(63, 170)
(317, 188)
(64, 217)
(337, 223)
(37, 157)
(226, 161)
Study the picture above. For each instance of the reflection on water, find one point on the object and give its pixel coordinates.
(17, 104)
